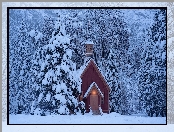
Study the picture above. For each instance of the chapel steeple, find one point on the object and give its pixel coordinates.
(89, 48)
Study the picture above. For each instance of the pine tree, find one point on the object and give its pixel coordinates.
(19, 69)
(153, 77)
(57, 86)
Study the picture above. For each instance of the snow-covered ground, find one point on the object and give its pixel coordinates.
(112, 118)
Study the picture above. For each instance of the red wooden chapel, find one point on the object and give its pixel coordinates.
(94, 88)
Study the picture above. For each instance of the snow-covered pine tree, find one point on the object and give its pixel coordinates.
(22, 46)
(56, 83)
(153, 68)
(117, 62)
(137, 27)
(159, 83)
(75, 28)
(47, 29)
(19, 70)
(111, 75)
(14, 63)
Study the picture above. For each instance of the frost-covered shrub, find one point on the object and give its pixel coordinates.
(100, 109)
(81, 107)
(90, 110)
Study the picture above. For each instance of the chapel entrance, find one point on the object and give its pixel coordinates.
(94, 102)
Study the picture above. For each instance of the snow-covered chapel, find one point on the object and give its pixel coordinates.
(94, 88)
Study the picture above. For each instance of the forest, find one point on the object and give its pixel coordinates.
(47, 49)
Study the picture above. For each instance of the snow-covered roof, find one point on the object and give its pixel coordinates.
(90, 88)
(89, 42)
(83, 68)
(86, 62)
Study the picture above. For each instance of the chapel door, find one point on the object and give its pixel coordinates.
(94, 102)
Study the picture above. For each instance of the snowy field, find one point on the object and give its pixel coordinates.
(112, 118)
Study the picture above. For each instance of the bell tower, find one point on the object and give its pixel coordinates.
(89, 49)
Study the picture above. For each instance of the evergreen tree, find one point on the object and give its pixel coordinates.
(153, 77)
(20, 65)
(57, 87)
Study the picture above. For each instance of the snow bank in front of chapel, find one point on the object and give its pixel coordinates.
(112, 118)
